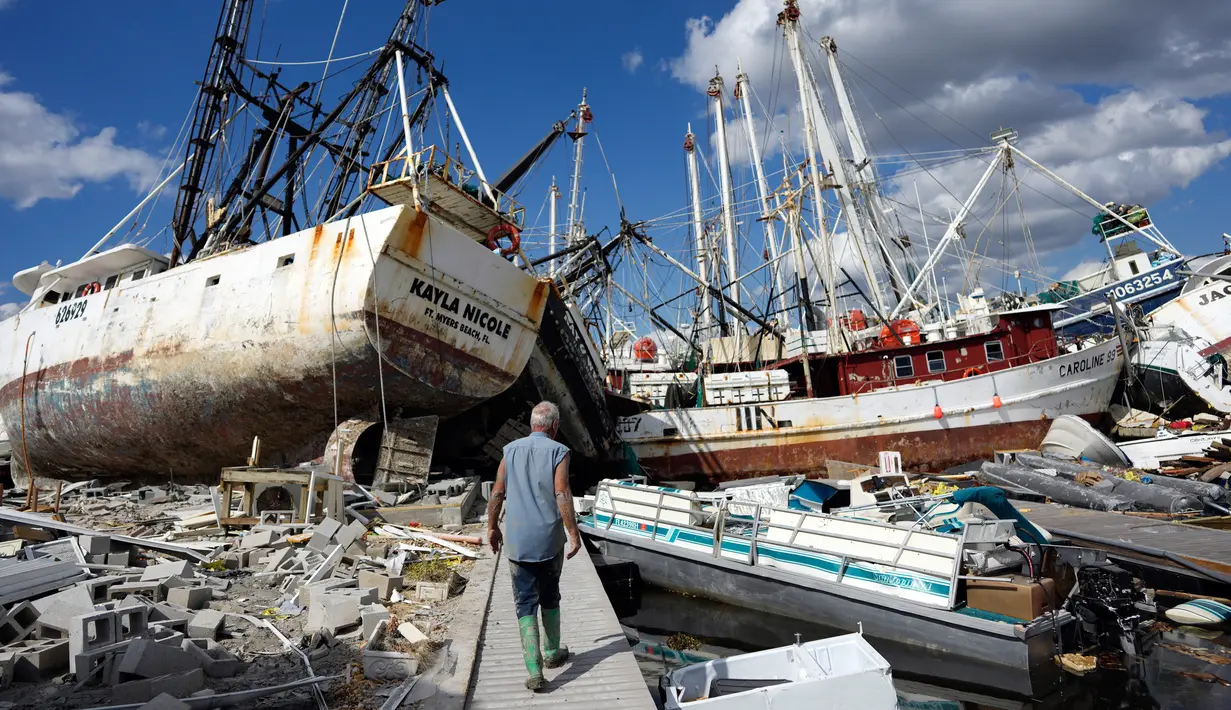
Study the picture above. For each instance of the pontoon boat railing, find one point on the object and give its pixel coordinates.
(719, 533)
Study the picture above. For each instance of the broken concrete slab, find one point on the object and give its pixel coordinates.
(147, 659)
(206, 624)
(432, 591)
(349, 534)
(166, 570)
(411, 633)
(190, 597)
(256, 538)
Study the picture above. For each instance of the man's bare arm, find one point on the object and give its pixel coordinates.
(564, 501)
(495, 505)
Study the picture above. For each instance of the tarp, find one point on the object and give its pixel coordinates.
(994, 500)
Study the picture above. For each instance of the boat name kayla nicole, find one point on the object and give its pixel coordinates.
(445, 301)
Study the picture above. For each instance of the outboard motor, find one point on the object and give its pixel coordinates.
(1110, 607)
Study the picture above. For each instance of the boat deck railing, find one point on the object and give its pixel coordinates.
(760, 525)
(434, 165)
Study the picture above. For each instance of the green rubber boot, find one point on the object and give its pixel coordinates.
(554, 655)
(530, 651)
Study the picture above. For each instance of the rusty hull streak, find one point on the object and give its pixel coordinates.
(934, 450)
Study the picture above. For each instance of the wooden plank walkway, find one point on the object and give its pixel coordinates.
(601, 673)
(1149, 539)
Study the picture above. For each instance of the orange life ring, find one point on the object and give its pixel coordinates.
(92, 288)
(972, 371)
(501, 230)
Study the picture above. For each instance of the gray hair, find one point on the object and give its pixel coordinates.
(545, 415)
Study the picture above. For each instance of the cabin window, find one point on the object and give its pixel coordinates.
(80, 291)
(286, 260)
(994, 350)
(1132, 266)
(212, 281)
(138, 274)
(110, 282)
(51, 297)
(784, 423)
(903, 366)
(670, 431)
(936, 361)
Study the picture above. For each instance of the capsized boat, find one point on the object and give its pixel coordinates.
(915, 583)
(839, 672)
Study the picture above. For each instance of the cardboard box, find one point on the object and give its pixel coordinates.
(1021, 598)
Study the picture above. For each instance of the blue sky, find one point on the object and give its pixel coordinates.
(113, 82)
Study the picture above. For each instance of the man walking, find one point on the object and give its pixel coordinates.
(533, 479)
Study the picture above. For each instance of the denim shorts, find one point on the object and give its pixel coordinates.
(536, 584)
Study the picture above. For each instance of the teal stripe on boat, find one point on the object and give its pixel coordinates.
(933, 586)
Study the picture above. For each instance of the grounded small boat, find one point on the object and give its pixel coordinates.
(904, 583)
(840, 672)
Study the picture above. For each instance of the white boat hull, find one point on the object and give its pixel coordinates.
(174, 374)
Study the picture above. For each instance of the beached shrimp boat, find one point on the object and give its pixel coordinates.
(132, 363)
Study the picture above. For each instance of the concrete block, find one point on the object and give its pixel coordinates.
(237, 559)
(18, 623)
(349, 534)
(142, 691)
(149, 590)
(319, 541)
(190, 597)
(95, 544)
(388, 665)
(99, 664)
(171, 616)
(38, 659)
(372, 616)
(330, 612)
(147, 659)
(256, 538)
(122, 559)
(383, 583)
(132, 621)
(99, 586)
(206, 624)
(215, 660)
(379, 550)
(165, 636)
(327, 527)
(432, 591)
(307, 590)
(279, 559)
(165, 701)
(90, 632)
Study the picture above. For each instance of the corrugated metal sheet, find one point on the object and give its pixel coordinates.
(601, 674)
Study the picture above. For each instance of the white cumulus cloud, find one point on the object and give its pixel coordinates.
(632, 60)
(45, 155)
(8, 310)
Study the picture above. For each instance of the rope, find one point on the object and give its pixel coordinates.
(368, 53)
(337, 30)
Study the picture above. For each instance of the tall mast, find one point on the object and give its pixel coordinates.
(224, 61)
(575, 229)
(724, 181)
(789, 19)
(861, 164)
(742, 89)
(698, 226)
(553, 194)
